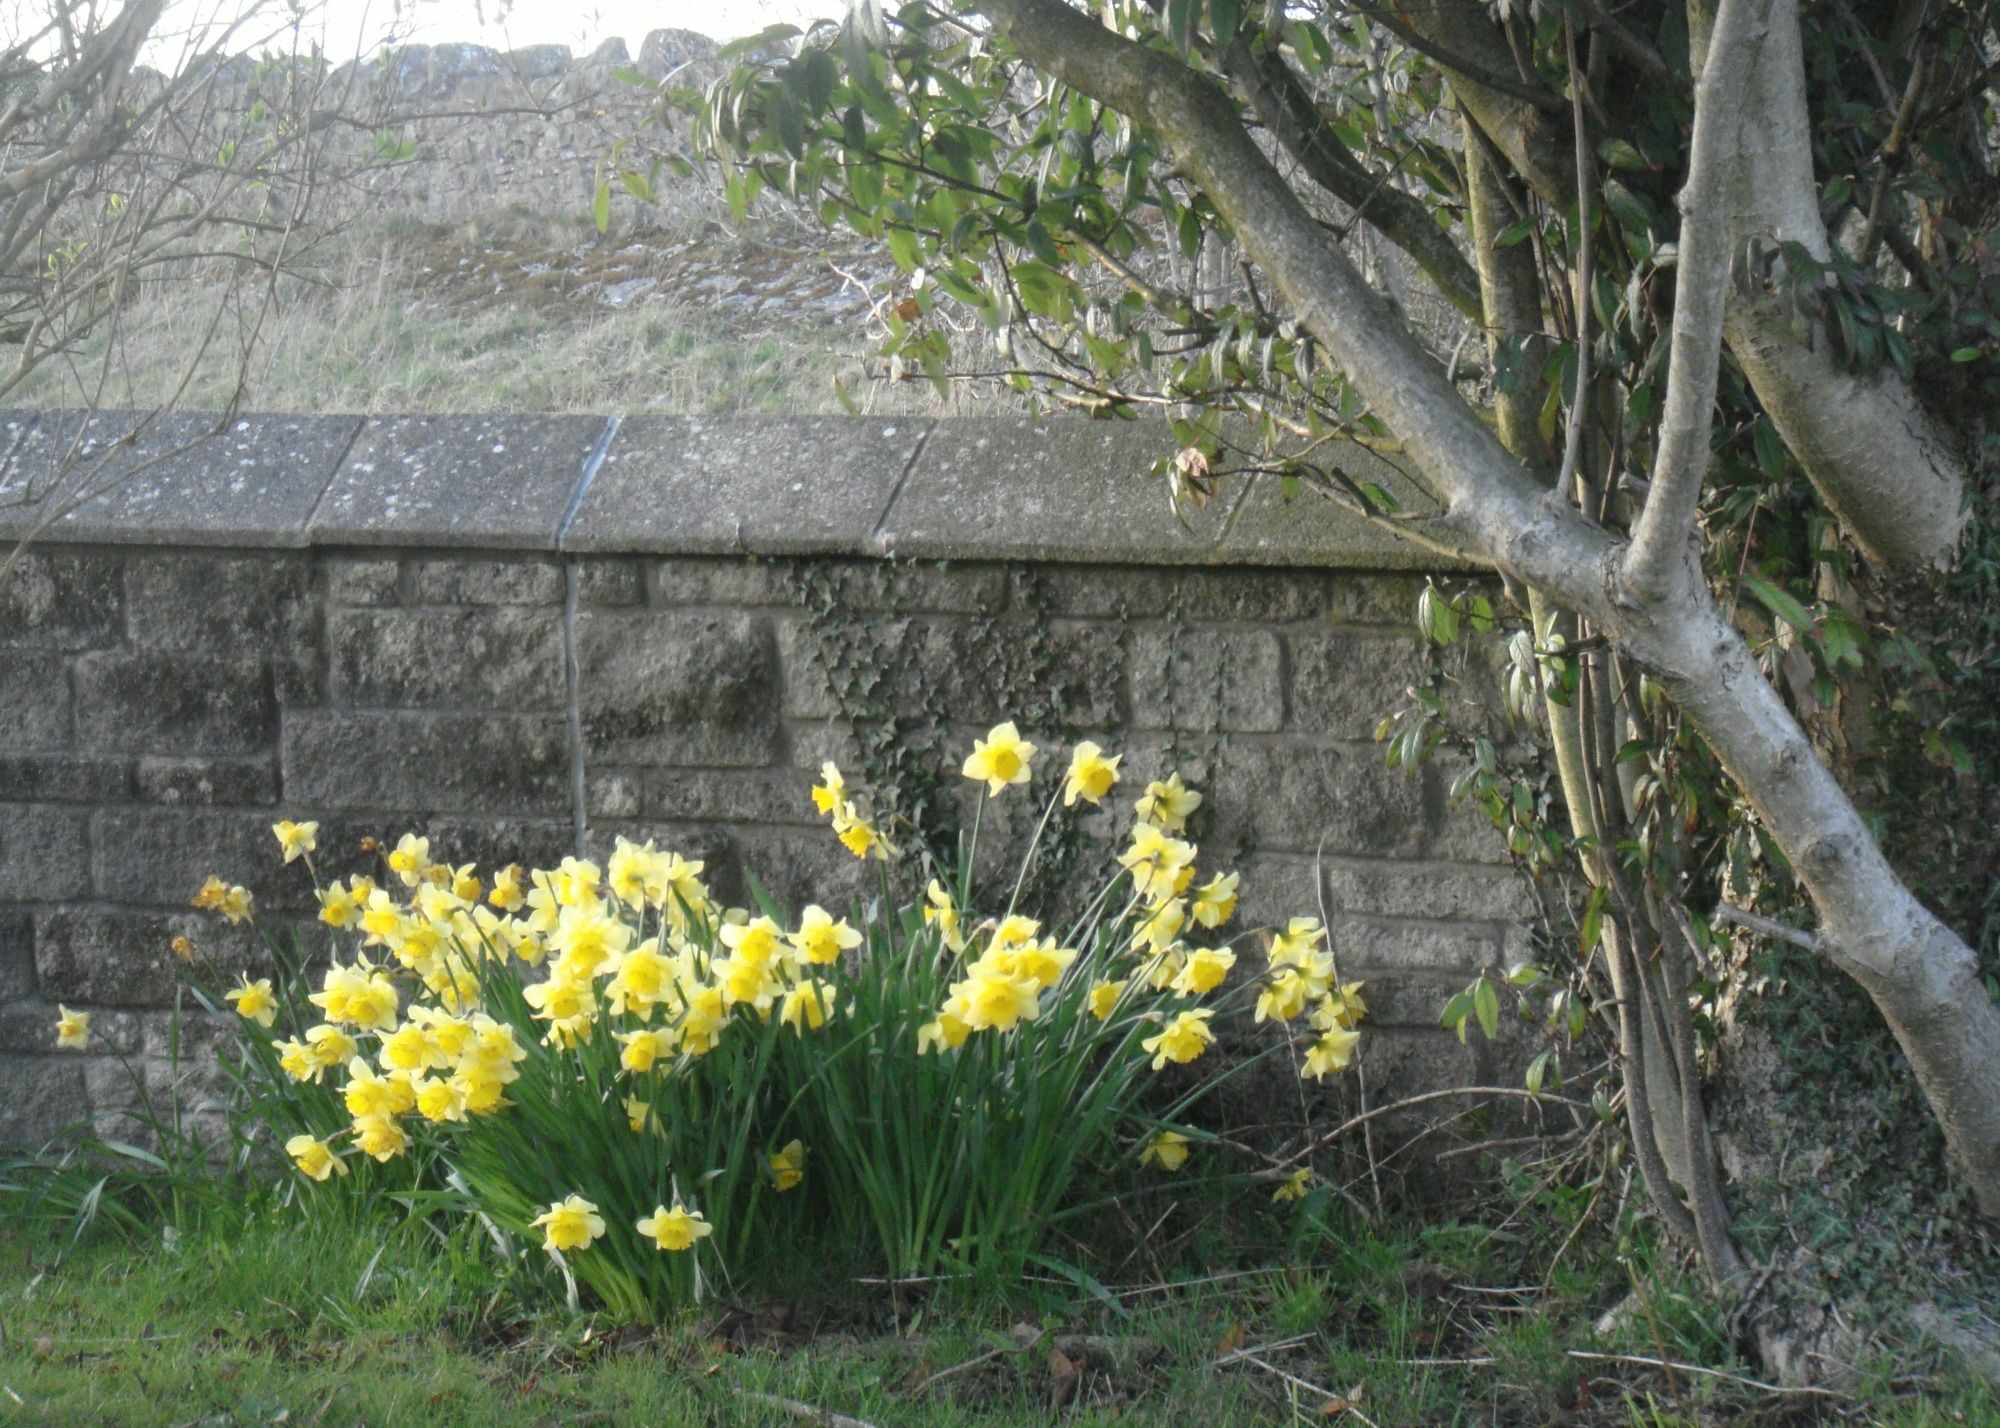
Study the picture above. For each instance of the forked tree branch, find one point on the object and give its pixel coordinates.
(1661, 537)
(1922, 976)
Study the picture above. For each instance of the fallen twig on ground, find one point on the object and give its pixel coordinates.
(809, 1412)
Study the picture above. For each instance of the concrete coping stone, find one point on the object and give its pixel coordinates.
(125, 477)
(1063, 489)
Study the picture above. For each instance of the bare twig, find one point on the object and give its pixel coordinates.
(1729, 915)
(1573, 437)
(1676, 1366)
(806, 1412)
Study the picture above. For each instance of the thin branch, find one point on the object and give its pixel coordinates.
(1701, 292)
(1573, 437)
(1729, 915)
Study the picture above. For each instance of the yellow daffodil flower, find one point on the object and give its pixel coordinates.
(380, 1137)
(1167, 1150)
(1203, 971)
(255, 1001)
(638, 1114)
(820, 939)
(297, 840)
(831, 790)
(237, 904)
(1091, 775)
(1215, 900)
(1181, 1040)
(314, 1157)
(1167, 804)
(1293, 1186)
(1103, 999)
(411, 859)
(675, 1229)
(507, 893)
(1334, 1051)
(941, 912)
(72, 1028)
(807, 1006)
(1000, 760)
(571, 1223)
(788, 1166)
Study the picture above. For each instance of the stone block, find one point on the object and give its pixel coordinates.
(1411, 889)
(678, 688)
(614, 793)
(1095, 592)
(1275, 888)
(200, 602)
(208, 781)
(17, 954)
(1252, 596)
(1289, 796)
(63, 600)
(104, 957)
(45, 1099)
(481, 658)
(1409, 1061)
(153, 701)
(34, 700)
(767, 796)
(902, 587)
(1344, 683)
(1356, 598)
(1417, 944)
(161, 856)
(986, 671)
(410, 761)
(720, 485)
(469, 482)
(44, 853)
(181, 477)
(805, 671)
(1207, 680)
(1013, 488)
(1459, 833)
(800, 866)
(65, 778)
(1401, 997)
(610, 582)
(30, 1026)
(505, 581)
(814, 742)
(495, 842)
(352, 581)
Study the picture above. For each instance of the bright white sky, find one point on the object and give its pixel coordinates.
(345, 28)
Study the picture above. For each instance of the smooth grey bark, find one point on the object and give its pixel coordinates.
(1889, 471)
(1285, 107)
(1922, 976)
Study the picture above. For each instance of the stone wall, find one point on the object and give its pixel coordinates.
(525, 635)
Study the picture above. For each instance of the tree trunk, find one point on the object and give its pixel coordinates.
(1922, 976)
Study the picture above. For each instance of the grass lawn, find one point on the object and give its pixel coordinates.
(279, 1321)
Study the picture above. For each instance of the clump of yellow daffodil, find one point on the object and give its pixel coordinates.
(521, 1027)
